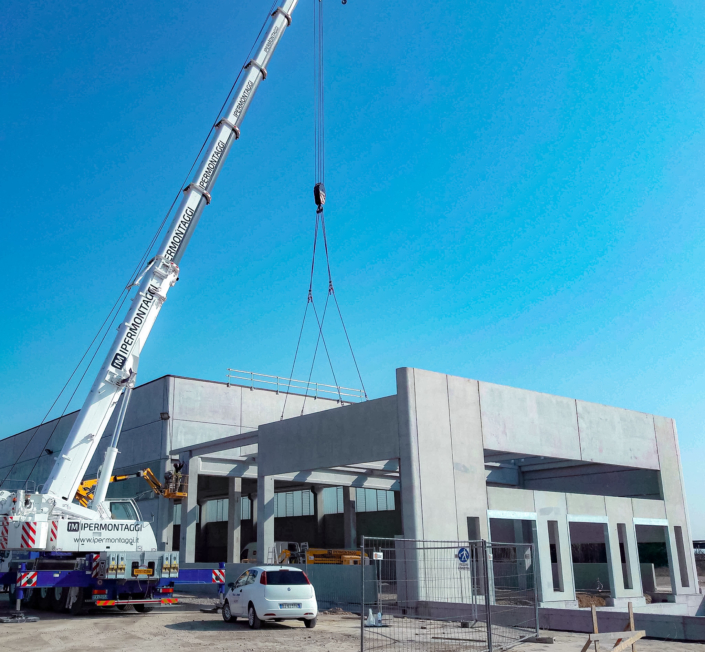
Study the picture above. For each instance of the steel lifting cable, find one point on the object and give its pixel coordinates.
(319, 193)
(124, 293)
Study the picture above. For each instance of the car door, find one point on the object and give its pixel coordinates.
(249, 588)
(236, 596)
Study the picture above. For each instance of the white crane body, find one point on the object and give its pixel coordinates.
(54, 522)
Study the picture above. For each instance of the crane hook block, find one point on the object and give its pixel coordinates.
(319, 194)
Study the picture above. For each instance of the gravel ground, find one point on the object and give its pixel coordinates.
(185, 627)
(181, 627)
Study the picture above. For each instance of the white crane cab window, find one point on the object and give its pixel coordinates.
(242, 580)
(123, 511)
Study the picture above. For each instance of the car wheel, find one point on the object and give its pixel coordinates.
(227, 613)
(311, 623)
(252, 618)
(57, 598)
(143, 608)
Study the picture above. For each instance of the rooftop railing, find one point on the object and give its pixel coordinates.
(294, 386)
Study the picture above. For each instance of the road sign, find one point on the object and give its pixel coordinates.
(463, 555)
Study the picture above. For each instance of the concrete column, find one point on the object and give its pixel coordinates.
(165, 520)
(265, 518)
(409, 463)
(621, 517)
(189, 514)
(319, 512)
(253, 511)
(520, 550)
(234, 545)
(349, 518)
(552, 527)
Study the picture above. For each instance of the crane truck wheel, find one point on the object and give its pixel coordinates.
(31, 598)
(11, 595)
(75, 601)
(57, 598)
(143, 608)
(44, 599)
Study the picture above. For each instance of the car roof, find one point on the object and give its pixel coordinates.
(276, 568)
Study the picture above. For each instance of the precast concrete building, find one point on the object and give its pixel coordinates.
(598, 490)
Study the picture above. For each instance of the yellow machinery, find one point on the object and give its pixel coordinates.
(333, 556)
(175, 485)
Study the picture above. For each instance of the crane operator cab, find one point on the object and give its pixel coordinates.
(123, 509)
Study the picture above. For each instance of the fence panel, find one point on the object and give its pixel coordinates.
(446, 595)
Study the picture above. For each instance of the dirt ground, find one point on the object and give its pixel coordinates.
(184, 627)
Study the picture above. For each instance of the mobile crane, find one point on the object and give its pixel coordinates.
(81, 553)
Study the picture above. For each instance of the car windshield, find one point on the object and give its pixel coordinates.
(286, 577)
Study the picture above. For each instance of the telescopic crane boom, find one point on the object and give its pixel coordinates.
(117, 373)
(121, 363)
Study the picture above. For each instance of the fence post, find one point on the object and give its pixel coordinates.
(488, 600)
(362, 594)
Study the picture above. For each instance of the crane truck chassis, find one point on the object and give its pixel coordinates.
(80, 553)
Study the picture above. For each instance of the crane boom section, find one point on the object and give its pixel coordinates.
(159, 276)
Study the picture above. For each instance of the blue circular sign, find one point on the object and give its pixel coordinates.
(463, 555)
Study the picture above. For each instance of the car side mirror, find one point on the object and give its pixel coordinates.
(231, 585)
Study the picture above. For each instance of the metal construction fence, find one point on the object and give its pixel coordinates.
(447, 595)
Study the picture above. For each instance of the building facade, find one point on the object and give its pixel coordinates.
(597, 490)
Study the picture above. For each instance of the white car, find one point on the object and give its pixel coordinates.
(265, 593)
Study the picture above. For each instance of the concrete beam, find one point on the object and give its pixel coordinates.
(218, 445)
(234, 468)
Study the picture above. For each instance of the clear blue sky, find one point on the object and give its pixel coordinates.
(515, 194)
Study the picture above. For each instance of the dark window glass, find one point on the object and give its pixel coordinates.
(286, 578)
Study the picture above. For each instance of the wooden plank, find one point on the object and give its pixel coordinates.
(594, 626)
(631, 622)
(613, 636)
(630, 641)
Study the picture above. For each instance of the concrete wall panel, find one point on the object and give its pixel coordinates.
(643, 508)
(505, 499)
(204, 402)
(522, 421)
(610, 435)
(585, 505)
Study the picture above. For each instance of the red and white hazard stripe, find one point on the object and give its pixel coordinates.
(4, 531)
(54, 532)
(218, 576)
(29, 534)
(95, 571)
(27, 580)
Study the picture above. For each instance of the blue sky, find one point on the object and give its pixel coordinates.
(514, 195)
